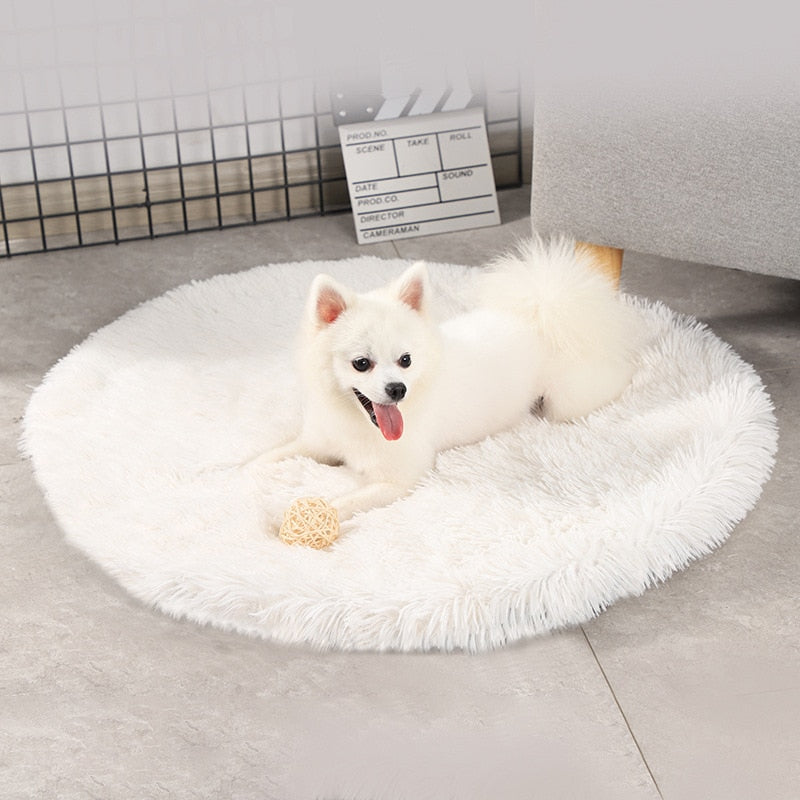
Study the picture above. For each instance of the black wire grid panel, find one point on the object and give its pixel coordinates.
(101, 166)
(103, 207)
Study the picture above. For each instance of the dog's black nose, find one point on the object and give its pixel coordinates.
(395, 391)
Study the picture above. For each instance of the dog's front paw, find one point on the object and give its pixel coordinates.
(365, 498)
(258, 462)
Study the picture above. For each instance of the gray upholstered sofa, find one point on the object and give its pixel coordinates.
(670, 132)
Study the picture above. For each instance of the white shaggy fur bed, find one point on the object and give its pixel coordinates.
(133, 436)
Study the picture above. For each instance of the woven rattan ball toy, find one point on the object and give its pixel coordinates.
(310, 521)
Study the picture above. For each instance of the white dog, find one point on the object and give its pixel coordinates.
(384, 388)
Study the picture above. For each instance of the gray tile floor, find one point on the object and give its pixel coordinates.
(690, 691)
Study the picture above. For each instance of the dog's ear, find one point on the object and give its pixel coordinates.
(328, 299)
(412, 286)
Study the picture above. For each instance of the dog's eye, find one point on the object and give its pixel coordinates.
(361, 364)
(404, 361)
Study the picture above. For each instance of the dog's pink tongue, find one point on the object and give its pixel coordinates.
(390, 421)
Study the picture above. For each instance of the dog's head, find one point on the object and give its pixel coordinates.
(377, 344)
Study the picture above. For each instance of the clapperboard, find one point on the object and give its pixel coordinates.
(416, 153)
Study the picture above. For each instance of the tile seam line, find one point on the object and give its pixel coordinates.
(622, 713)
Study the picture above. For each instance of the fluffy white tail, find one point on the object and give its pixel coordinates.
(589, 335)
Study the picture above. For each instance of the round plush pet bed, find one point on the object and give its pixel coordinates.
(137, 434)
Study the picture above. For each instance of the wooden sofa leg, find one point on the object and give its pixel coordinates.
(608, 259)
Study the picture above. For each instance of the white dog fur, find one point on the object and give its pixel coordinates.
(548, 331)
